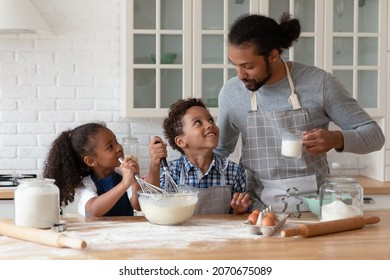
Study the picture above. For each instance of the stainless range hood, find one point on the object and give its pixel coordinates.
(21, 16)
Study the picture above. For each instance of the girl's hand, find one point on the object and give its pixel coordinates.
(129, 168)
(240, 203)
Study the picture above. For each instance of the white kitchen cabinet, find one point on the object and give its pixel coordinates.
(345, 37)
(356, 51)
(195, 32)
(174, 49)
(156, 55)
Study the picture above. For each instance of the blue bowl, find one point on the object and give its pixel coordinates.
(313, 202)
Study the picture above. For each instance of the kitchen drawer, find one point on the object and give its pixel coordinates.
(379, 202)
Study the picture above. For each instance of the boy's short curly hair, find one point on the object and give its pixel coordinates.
(173, 124)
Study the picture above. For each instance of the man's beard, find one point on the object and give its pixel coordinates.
(253, 85)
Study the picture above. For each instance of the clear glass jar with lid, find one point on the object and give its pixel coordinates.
(340, 198)
(37, 203)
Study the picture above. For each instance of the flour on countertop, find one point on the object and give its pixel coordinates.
(133, 235)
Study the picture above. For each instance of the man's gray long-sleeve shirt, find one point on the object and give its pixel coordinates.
(324, 97)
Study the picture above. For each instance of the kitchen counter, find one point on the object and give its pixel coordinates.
(7, 192)
(204, 237)
(370, 186)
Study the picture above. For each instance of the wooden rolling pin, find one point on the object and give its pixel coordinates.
(46, 237)
(307, 230)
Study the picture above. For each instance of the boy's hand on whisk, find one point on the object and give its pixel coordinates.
(240, 203)
(157, 150)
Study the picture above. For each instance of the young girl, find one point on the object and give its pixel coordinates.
(191, 130)
(83, 161)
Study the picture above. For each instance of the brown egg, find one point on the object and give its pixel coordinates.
(252, 218)
(256, 211)
(267, 221)
(272, 216)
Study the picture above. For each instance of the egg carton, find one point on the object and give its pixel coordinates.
(267, 230)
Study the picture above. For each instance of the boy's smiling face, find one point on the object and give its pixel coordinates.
(199, 131)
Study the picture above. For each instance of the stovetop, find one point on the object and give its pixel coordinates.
(10, 180)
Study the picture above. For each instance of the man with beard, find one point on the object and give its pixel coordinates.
(270, 95)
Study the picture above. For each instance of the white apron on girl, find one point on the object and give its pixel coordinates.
(214, 199)
(273, 174)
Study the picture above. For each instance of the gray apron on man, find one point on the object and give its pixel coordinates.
(214, 199)
(273, 178)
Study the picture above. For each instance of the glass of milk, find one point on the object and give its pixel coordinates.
(292, 143)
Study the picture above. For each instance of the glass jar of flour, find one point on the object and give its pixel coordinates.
(37, 203)
(340, 198)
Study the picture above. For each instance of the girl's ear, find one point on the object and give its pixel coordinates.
(180, 142)
(90, 161)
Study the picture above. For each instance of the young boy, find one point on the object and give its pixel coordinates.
(191, 130)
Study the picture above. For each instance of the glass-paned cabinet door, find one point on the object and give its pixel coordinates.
(211, 65)
(178, 48)
(309, 47)
(212, 19)
(357, 49)
(157, 55)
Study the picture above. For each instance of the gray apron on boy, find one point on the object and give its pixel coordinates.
(214, 199)
(276, 179)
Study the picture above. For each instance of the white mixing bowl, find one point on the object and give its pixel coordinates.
(171, 209)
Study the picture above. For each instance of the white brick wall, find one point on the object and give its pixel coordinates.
(49, 83)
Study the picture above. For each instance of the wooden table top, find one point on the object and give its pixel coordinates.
(370, 186)
(213, 237)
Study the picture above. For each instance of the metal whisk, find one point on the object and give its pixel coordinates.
(145, 186)
(170, 184)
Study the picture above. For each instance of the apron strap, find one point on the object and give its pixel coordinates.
(253, 101)
(223, 179)
(293, 99)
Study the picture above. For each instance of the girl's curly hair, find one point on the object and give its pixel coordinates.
(64, 162)
(173, 124)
